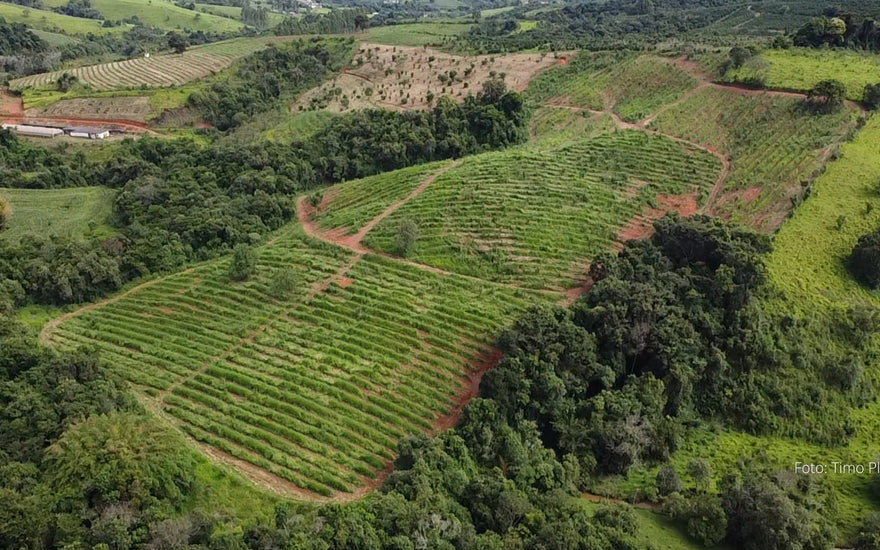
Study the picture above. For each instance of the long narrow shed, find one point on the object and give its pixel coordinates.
(36, 131)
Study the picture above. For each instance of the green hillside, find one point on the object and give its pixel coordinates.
(54, 22)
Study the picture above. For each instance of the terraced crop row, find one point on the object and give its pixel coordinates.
(318, 387)
(635, 86)
(774, 145)
(536, 216)
(357, 202)
(157, 71)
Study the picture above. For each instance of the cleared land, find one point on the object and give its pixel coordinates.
(398, 77)
(535, 217)
(316, 387)
(801, 69)
(775, 147)
(79, 212)
(103, 108)
(158, 70)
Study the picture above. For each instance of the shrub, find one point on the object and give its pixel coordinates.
(242, 263)
(282, 284)
(668, 481)
(871, 96)
(864, 262)
(407, 233)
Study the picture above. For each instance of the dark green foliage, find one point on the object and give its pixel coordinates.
(668, 481)
(16, 38)
(407, 233)
(700, 471)
(66, 81)
(80, 8)
(871, 96)
(263, 78)
(762, 515)
(243, 262)
(336, 22)
(703, 517)
(283, 283)
(58, 271)
(255, 16)
(869, 534)
(826, 96)
(177, 42)
(839, 29)
(864, 261)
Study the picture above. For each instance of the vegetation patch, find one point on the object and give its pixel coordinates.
(79, 213)
(631, 86)
(802, 68)
(775, 145)
(327, 378)
(538, 216)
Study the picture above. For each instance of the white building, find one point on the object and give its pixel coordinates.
(35, 131)
(86, 132)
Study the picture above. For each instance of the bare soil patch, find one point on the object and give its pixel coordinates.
(642, 225)
(401, 77)
(11, 107)
(100, 108)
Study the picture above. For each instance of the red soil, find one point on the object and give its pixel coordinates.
(11, 108)
(642, 225)
(345, 282)
(479, 367)
(562, 61)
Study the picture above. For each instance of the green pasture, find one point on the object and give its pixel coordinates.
(81, 212)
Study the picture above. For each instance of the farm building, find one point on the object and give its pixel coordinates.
(36, 131)
(86, 132)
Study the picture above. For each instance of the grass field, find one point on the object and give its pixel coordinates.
(55, 22)
(79, 212)
(164, 14)
(535, 216)
(233, 12)
(656, 530)
(315, 387)
(773, 146)
(299, 126)
(632, 86)
(801, 69)
(416, 34)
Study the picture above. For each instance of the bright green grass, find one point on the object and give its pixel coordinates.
(633, 86)
(495, 11)
(773, 145)
(316, 387)
(801, 69)
(233, 12)
(78, 213)
(808, 260)
(525, 26)
(299, 126)
(656, 530)
(54, 22)
(415, 34)
(55, 39)
(536, 216)
(165, 15)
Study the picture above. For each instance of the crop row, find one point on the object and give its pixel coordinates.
(532, 216)
(773, 143)
(315, 389)
(158, 71)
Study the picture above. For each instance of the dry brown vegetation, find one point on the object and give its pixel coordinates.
(401, 77)
(129, 108)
